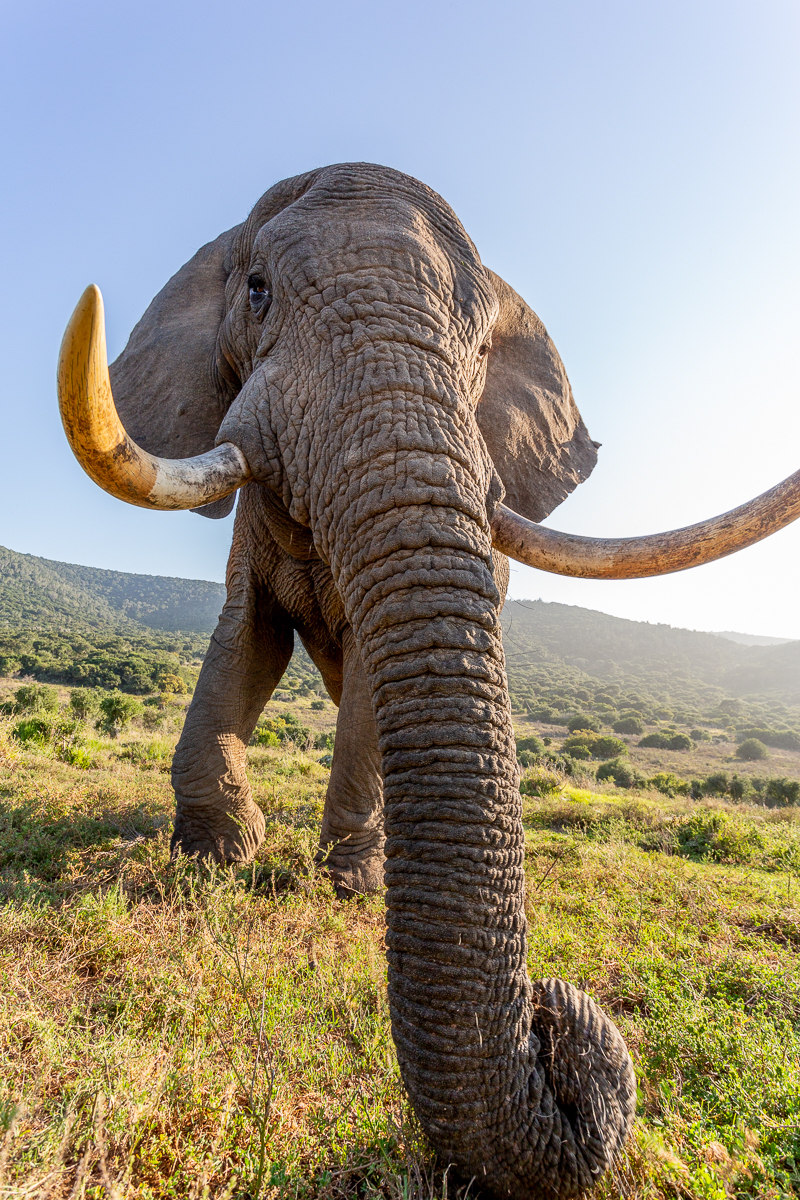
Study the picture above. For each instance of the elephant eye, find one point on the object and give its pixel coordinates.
(260, 296)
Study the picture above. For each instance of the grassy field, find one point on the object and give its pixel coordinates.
(167, 1031)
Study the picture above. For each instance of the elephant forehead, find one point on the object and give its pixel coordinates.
(386, 247)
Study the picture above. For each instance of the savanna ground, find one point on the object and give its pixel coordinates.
(170, 1031)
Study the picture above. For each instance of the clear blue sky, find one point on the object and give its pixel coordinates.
(631, 168)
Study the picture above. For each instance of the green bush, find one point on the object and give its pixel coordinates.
(118, 710)
(751, 750)
(34, 698)
(781, 792)
(669, 784)
(778, 739)
(85, 702)
(598, 745)
(541, 781)
(577, 750)
(583, 721)
(265, 737)
(532, 743)
(284, 728)
(324, 741)
(630, 725)
(700, 735)
(666, 740)
(621, 772)
(318, 705)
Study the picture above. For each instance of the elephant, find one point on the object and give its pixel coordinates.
(396, 422)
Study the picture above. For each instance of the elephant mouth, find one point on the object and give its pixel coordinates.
(114, 461)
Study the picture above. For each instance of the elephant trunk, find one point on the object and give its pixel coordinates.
(528, 1087)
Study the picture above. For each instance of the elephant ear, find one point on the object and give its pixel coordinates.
(531, 425)
(165, 382)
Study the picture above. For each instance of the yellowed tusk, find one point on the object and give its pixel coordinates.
(655, 554)
(104, 449)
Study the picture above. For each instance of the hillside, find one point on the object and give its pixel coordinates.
(558, 655)
(38, 591)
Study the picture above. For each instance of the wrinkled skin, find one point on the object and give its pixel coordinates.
(385, 397)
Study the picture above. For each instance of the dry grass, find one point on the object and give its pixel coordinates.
(138, 1062)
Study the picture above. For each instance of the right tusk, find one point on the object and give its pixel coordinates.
(655, 554)
(100, 443)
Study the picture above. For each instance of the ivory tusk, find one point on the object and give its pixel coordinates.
(655, 554)
(104, 449)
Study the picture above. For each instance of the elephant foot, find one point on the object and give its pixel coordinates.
(205, 832)
(359, 873)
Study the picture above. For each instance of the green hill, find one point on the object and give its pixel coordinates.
(55, 594)
(72, 623)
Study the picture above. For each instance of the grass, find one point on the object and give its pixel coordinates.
(169, 1031)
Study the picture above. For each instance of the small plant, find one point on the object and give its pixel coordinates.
(318, 705)
(700, 735)
(751, 750)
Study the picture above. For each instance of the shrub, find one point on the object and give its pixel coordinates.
(779, 739)
(541, 781)
(577, 749)
(85, 702)
(548, 716)
(284, 728)
(318, 705)
(171, 685)
(598, 745)
(324, 741)
(533, 744)
(583, 721)
(700, 735)
(265, 737)
(621, 772)
(669, 784)
(781, 791)
(666, 740)
(35, 697)
(631, 725)
(118, 711)
(751, 749)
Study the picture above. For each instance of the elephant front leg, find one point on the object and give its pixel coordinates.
(351, 842)
(215, 815)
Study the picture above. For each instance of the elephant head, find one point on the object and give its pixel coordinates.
(346, 350)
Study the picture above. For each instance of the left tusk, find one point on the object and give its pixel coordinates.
(100, 443)
(655, 554)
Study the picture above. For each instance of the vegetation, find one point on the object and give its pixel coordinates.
(751, 749)
(169, 1030)
(173, 1031)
